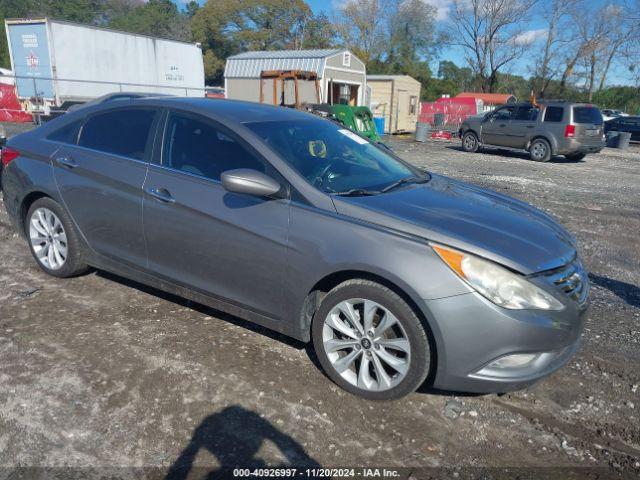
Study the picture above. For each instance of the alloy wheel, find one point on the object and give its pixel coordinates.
(469, 142)
(366, 344)
(48, 238)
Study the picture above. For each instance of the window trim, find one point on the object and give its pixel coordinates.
(160, 144)
(146, 159)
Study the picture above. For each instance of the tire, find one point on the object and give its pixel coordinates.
(369, 355)
(540, 150)
(48, 229)
(575, 157)
(470, 142)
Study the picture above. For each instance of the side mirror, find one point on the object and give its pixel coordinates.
(250, 182)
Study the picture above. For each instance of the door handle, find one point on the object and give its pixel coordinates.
(503, 124)
(67, 162)
(161, 194)
(530, 126)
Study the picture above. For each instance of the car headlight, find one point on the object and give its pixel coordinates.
(496, 283)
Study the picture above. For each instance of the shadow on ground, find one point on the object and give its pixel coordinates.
(515, 154)
(626, 291)
(234, 436)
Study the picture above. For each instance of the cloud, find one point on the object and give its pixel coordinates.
(530, 36)
(442, 8)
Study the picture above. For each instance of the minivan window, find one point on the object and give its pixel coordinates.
(587, 115)
(121, 132)
(66, 134)
(553, 114)
(330, 157)
(198, 147)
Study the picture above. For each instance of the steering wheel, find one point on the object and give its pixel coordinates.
(320, 178)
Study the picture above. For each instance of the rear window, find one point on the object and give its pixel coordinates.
(553, 114)
(66, 134)
(120, 132)
(587, 115)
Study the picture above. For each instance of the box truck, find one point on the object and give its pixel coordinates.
(59, 63)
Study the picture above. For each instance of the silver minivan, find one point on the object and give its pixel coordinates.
(543, 129)
(291, 221)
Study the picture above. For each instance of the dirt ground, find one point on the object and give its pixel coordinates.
(97, 371)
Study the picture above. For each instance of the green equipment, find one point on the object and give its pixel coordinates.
(357, 119)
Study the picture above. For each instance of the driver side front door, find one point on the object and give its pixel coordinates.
(495, 127)
(227, 245)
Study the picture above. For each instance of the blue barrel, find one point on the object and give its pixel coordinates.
(379, 123)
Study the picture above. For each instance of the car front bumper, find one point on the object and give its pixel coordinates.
(472, 333)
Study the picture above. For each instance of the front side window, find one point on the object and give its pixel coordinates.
(553, 114)
(121, 132)
(504, 113)
(330, 157)
(198, 147)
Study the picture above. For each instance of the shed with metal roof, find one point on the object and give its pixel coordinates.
(341, 74)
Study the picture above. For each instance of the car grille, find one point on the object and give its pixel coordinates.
(572, 280)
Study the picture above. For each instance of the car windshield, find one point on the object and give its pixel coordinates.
(333, 158)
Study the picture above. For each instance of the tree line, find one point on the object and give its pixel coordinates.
(572, 51)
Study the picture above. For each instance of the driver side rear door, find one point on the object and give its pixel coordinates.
(227, 245)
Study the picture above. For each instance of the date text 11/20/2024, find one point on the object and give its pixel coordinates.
(317, 473)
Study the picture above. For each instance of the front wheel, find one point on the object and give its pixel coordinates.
(540, 150)
(470, 142)
(370, 341)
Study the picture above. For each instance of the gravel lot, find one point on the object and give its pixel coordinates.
(98, 371)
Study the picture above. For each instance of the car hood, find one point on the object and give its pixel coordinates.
(489, 224)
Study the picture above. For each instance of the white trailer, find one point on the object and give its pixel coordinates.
(59, 63)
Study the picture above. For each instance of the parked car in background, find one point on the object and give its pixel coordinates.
(609, 114)
(625, 124)
(300, 225)
(545, 129)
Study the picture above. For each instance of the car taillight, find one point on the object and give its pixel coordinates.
(570, 131)
(7, 154)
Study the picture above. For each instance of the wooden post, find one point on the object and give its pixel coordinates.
(275, 91)
(261, 92)
(295, 89)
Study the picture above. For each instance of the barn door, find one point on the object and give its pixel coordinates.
(403, 121)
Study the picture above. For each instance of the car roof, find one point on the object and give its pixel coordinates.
(232, 111)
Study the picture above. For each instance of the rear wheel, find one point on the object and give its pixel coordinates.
(52, 239)
(575, 157)
(370, 342)
(470, 142)
(540, 150)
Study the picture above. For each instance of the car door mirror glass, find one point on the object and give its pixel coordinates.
(250, 182)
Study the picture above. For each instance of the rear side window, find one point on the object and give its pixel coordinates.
(587, 115)
(120, 132)
(200, 148)
(553, 114)
(67, 134)
(529, 113)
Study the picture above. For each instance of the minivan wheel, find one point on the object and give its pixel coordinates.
(470, 142)
(370, 341)
(540, 150)
(575, 157)
(52, 239)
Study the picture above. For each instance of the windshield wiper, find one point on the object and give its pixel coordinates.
(356, 192)
(402, 181)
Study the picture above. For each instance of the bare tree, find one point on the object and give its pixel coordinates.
(360, 24)
(492, 34)
(558, 36)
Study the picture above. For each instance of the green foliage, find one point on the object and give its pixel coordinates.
(156, 17)
(619, 98)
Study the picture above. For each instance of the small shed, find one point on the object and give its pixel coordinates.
(489, 100)
(395, 97)
(341, 74)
